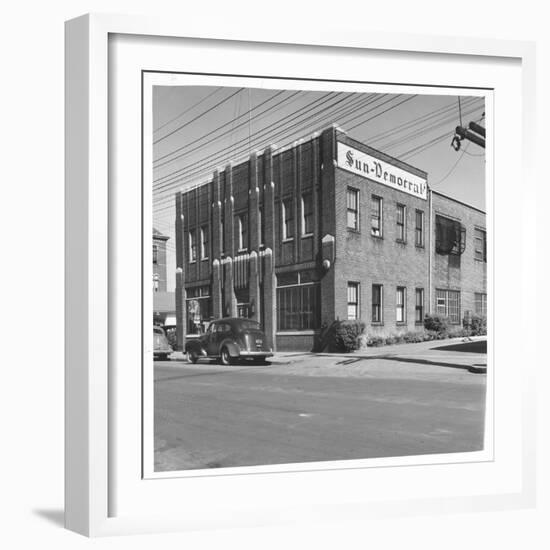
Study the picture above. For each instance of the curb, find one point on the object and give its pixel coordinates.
(478, 369)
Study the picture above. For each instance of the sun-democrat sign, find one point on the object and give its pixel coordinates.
(366, 165)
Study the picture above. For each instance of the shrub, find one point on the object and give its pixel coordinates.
(436, 323)
(478, 326)
(458, 332)
(413, 337)
(346, 334)
(375, 341)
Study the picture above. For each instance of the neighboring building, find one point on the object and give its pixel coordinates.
(159, 261)
(164, 303)
(326, 229)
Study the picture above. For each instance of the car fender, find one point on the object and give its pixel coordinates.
(195, 345)
(234, 349)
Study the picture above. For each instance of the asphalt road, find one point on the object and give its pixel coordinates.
(304, 408)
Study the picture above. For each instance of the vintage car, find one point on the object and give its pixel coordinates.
(161, 347)
(228, 340)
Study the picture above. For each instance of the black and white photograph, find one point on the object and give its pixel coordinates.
(319, 273)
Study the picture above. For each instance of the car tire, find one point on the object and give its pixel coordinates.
(193, 356)
(225, 357)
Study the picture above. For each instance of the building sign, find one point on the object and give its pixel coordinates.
(366, 165)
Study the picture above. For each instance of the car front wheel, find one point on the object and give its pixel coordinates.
(193, 356)
(225, 357)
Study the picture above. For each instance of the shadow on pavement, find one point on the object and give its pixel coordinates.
(478, 346)
(57, 517)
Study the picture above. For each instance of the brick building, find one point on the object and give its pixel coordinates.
(326, 229)
(164, 303)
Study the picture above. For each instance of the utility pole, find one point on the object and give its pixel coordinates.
(474, 133)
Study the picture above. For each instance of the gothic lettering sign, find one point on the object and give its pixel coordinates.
(373, 168)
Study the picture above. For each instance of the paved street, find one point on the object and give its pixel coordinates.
(389, 401)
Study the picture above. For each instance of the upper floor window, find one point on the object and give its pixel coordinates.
(261, 224)
(352, 200)
(400, 221)
(192, 245)
(419, 228)
(307, 213)
(376, 216)
(242, 229)
(287, 219)
(155, 253)
(204, 242)
(480, 245)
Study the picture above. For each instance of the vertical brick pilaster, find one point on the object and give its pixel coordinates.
(229, 225)
(180, 274)
(269, 202)
(269, 291)
(217, 298)
(230, 300)
(254, 285)
(216, 226)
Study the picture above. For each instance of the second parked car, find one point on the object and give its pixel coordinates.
(228, 340)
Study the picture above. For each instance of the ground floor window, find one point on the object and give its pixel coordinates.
(419, 306)
(353, 300)
(400, 310)
(298, 302)
(199, 309)
(376, 303)
(448, 304)
(481, 304)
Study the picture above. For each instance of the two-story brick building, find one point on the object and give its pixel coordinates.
(326, 229)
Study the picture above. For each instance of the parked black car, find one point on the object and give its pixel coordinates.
(228, 340)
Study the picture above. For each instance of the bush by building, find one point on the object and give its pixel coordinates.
(346, 336)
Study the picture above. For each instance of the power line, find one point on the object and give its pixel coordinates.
(197, 117)
(187, 110)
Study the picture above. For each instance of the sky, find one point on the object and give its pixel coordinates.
(197, 129)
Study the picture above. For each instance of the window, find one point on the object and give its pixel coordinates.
(192, 245)
(376, 216)
(400, 220)
(199, 309)
(448, 304)
(480, 300)
(419, 306)
(156, 282)
(242, 231)
(204, 242)
(307, 214)
(400, 310)
(376, 303)
(353, 300)
(155, 253)
(287, 219)
(450, 236)
(298, 302)
(419, 228)
(480, 245)
(352, 199)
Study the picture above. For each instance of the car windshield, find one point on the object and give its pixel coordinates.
(246, 324)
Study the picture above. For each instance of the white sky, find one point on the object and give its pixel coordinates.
(199, 128)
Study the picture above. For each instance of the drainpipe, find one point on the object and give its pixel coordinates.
(430, 252)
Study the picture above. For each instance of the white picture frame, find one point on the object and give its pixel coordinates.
(100, 500)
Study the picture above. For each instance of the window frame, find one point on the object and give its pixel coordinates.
(419, 308)
(483, 239)
(155, 253)
(357, 286)
(419, 241)
(242, 232)
(447, 292)
(401, 227)
(353, 192)
(303, 220)
(285, 218)
(192, 236)
(204, 242)
(380, 305)
(483, 301)
(403, 305)
(380, 201)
